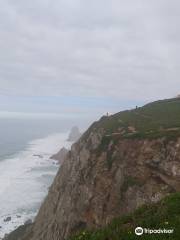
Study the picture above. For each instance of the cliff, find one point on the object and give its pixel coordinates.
(162, 215)
(122, 162)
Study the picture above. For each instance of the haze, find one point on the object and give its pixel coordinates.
(82, 58)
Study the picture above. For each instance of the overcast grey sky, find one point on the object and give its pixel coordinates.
(87, 57)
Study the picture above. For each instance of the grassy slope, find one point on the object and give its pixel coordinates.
(165, 214)
(157, 119)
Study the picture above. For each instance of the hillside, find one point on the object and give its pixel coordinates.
(122, 162)
(157, 119)
(164, 214)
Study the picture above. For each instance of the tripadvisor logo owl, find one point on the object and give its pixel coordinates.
(139, 231)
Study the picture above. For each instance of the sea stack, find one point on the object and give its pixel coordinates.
(74, 134)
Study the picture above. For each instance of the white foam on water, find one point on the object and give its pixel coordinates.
(25, 179)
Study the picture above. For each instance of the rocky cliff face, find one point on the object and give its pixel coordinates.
(105, 177)
(122, 162)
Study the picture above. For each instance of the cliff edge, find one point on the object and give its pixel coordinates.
(122, 162)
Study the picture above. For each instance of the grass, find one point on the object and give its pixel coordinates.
(157, 119)
(103, 147)
(163, 215)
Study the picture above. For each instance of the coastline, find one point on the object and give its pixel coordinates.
(24, 185)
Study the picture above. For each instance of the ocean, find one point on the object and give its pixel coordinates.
(26, 170)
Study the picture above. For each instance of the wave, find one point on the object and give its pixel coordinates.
(25, 179)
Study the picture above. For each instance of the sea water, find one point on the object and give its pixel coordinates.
(26, 170)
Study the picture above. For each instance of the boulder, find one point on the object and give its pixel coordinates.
(8, 219)
(28, 222)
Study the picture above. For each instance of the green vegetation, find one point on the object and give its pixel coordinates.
(157, 119)
(129, 182)
(104, 147)
(163, 215)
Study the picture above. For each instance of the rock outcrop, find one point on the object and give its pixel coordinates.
(61, 155)
(19, 232)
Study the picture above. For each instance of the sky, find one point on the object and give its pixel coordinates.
(81, 58)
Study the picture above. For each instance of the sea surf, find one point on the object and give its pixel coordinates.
(25, 178)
